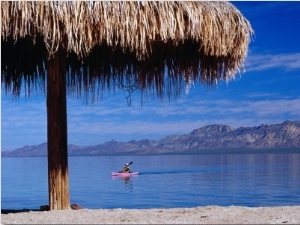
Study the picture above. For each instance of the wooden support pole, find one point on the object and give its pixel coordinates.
(58, 178)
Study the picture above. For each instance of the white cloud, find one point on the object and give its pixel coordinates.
(25, 124)
(272, 61)
(178, 118)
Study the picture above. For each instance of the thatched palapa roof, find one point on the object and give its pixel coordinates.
(158, 47)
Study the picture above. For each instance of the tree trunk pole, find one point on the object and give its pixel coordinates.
(58, 178)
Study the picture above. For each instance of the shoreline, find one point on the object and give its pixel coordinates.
(196, 215)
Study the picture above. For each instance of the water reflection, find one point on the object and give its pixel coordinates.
(128, 183)
(126, 180)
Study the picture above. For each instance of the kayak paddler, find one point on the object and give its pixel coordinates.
(126, 169)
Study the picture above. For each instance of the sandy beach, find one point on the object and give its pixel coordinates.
(197, 215)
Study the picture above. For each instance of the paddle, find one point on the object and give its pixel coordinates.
(130, 164)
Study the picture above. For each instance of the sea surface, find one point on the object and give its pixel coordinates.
(164, 181)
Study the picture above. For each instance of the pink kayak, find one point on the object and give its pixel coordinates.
(117, 174)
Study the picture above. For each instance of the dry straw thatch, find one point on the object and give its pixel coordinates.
(157, 47)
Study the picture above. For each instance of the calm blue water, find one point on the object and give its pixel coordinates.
(164, 181)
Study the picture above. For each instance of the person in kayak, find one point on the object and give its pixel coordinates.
(126, 169)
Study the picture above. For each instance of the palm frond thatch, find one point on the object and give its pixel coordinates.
(159, 46)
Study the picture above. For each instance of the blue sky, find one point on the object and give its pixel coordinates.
(267, 93)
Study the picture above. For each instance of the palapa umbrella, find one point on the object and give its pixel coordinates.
(83, 48)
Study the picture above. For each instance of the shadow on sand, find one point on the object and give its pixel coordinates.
(73, 206)
(7, 211)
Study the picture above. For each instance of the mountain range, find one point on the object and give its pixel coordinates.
(205, 139)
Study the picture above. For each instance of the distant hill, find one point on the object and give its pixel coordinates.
(203, 139)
